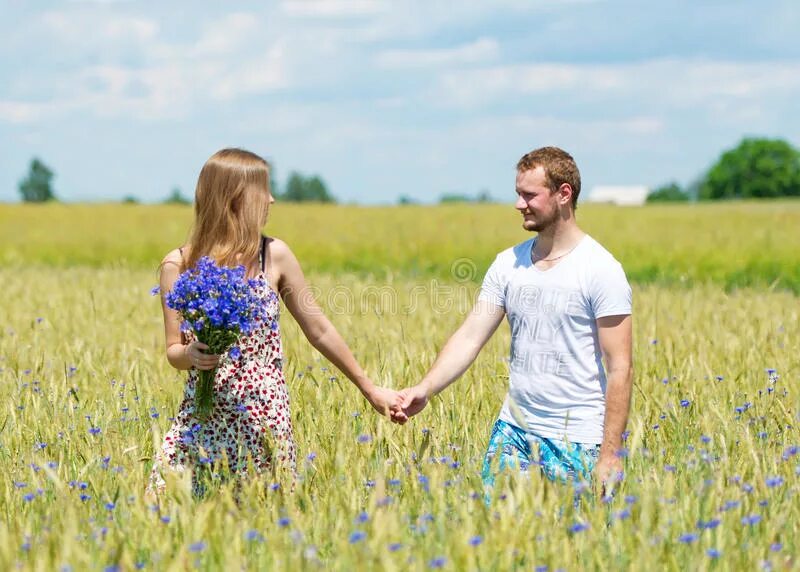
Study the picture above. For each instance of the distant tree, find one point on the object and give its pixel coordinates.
(406, 200)
(484, 196)
(302, 189)
(669, 193)
(454, 198)
(176, 198)
(35, 188)
(130, 200)
(756, 168)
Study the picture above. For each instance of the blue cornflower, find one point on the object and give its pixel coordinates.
(155, 290)
(84, 497)
(357, 536)
(438, 562)
(20, 484)
(622, 514)
(197, 546)
(705, 439)
(364, 438)
(394, 482)
(751, 519)
(711, 524)
(685, 403)
(579, 527)
(235, 352)
(774, 481)
(713, 553)
(688, 538)
(29, 497)
(283, 522)
(730, 505)
(362, 517)
(165, 519)
(395, 546)
(253, 535)
(110, 506)
(776, 547)
(310, 457)
(475, 540)
(95, 430)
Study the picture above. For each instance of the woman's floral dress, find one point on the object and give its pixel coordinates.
(250, 421)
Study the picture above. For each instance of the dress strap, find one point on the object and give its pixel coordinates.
(264, 255)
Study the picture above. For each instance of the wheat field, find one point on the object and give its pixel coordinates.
(712, 469)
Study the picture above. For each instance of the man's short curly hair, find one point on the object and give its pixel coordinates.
(559, 168)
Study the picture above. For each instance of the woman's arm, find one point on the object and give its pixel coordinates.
(318, 329)
(180, 355)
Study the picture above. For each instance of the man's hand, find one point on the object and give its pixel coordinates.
(387, 402)
(413, 400)
(607, 472)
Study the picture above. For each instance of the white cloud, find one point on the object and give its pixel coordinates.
(21, 111)
(479, 51)
(95, 29)
(673, 82)
(333, 8)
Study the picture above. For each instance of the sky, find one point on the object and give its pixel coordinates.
(388, 98)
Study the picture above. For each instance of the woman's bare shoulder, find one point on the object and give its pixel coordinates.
(173, 257)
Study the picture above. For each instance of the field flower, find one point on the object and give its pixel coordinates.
(751, 519)
(772, 482)
(218, 304)
(579, 527)
(711, 524)
(357, 536)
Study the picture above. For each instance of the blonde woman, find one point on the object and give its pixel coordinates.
(250, 419)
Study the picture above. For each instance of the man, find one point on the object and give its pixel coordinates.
(568, 304)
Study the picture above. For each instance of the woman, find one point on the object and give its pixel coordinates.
(250, 419)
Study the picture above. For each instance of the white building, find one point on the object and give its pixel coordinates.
(619, 195)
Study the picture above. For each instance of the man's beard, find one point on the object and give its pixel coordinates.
(541, 224)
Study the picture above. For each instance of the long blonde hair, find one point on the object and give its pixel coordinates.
(230, 208)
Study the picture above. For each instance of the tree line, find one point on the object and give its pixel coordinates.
(756, 168)
(37, 187)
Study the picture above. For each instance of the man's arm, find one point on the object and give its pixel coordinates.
(456, 356)
(614, 333)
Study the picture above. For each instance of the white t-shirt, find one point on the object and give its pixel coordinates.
(556, 375)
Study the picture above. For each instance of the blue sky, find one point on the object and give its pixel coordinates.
(388, 98)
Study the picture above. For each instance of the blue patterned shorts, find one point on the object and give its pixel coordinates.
(558, 460)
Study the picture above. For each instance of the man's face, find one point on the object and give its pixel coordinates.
(535, 201)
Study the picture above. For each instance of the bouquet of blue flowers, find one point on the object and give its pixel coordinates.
(218, 304)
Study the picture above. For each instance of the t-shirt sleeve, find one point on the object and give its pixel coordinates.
(493, 289)
(611, 292)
